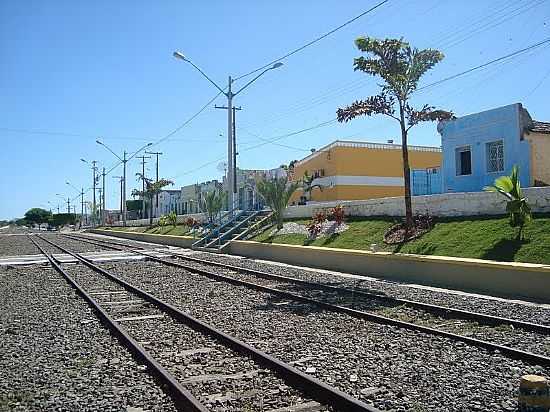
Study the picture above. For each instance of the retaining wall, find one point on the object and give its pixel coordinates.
(179, 241)
(447, 204)
(508, 279)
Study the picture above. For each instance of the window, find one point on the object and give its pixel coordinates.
(463, 156)
(494, 153)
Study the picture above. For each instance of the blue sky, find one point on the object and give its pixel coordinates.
(79, 70)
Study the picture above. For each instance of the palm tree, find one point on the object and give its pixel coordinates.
(308, 186)
(517, 206)
(213, 203)
(151, 190)
(276, 192)
(400, 67)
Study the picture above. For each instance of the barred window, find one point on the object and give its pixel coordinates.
(494, 152)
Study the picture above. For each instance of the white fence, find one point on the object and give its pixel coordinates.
(448, 204)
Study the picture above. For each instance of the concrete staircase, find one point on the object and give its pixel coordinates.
(228, 228)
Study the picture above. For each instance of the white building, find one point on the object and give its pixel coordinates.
(247, 195)
(168, 201)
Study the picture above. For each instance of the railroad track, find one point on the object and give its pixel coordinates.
(136, 317)
(472, 327)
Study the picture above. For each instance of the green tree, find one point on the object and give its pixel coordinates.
(213, 203)
(517, 206)
(151, 190)
(276, 193)
(308, 186)
(37, 216)
(62, 219)
(400, 67)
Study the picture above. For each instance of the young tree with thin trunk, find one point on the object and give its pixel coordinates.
(400, 67)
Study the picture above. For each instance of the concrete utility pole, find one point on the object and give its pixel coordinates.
(230, 140)
(103, 202)
(143, 183)
(82, 205)
(156, 180)
(100, 201)
(121, 180)
(94, 207)
(123, 160)
(94, 182)
(233, 169)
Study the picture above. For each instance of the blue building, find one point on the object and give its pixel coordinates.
(480, 147)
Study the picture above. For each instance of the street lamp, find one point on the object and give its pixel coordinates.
(124, 160)
(68, 201)
(81, 193)
(231, 145)
(94, 181)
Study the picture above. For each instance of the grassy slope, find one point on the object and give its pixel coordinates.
(475, 237)
(178, 230)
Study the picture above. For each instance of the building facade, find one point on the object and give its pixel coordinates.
(483, 146)
(192, 196)
(168, 201)
(247, 195)
(352, 170)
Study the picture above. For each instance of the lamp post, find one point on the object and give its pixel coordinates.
(123, 160)
(68, 201)
(94, 181)
(231, 149)
(51, 205)
(81, 193)
(121, 179)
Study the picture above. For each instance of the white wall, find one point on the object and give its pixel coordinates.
(145, 222)
(448, 204)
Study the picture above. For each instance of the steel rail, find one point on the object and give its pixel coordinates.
(443, 310)
(182, 398)
(508, 351)
(298, 379)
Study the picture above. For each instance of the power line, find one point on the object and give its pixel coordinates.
(177, 129)
(481, 66)
(313, 41)
(492, 23)
(266, 141)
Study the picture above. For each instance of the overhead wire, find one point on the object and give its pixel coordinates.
(486, 64)
(312, 42)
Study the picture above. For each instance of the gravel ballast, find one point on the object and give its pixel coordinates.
(503, 334)
(56, 355)
(16, 245)
(220, 378)
(497, 307)
(393, 368)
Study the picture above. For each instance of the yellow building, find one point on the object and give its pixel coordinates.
(349, 170)
(539, 142)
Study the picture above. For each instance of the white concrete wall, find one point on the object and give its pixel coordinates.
(447, 204)
(145, 222)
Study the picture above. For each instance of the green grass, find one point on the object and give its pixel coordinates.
(487, 237)
(178, 230)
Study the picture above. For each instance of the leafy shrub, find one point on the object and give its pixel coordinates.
(163, 220)
(191, 222)
(517, 206)
(337, 215)
(314, 228)
(168, 219)
(319, 217)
